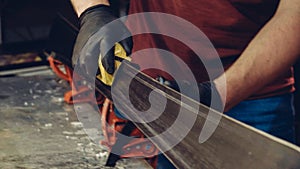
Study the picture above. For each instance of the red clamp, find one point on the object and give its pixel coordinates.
(141, 147)
(80, 92)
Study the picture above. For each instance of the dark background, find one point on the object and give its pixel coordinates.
(27, 25)
(30, 20)
(297, 100)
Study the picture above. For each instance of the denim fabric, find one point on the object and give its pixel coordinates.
(274, 115)
(119, 114)
(164, 163)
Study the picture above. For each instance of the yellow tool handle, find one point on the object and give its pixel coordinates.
(120, 53)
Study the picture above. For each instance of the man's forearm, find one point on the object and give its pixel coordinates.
(82, 5)
(272, 52)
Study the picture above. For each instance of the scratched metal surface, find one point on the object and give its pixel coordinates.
(232, 145)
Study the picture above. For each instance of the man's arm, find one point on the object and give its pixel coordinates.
(272, 52)
(82, 5)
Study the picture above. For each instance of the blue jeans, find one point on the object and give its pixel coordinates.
(274, 115)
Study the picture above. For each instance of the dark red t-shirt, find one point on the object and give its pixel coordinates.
(229, 25)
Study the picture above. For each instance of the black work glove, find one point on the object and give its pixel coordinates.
(210, 96)
(208, 92)
(86, 54)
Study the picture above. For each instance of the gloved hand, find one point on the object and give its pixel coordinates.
(87, 55)
(207, 92)
(209, 95)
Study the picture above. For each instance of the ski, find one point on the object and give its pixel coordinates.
(233, 145)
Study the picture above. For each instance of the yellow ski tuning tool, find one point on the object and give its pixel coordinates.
(120, 55)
